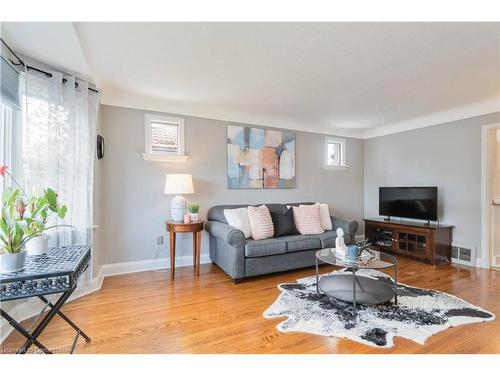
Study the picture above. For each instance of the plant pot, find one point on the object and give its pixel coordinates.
(12, 262)
(38, 245)
(194, 217)
(352, 253)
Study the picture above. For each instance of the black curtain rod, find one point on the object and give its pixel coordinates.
(28, 67)
(49, 75)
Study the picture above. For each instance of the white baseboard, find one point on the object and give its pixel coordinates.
(149, 265)
(480, 263)
(31, 307)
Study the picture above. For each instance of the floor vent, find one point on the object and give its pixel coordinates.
(463, 255)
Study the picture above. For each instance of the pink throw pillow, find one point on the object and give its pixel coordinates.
(308, 219)
(261, 223)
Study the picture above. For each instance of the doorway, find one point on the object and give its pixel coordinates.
(491, 195)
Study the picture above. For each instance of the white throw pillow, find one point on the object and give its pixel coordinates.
(261, 222)
(324, 213)
(238, 218)
(326, 220)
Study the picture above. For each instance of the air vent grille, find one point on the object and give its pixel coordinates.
(463, 255)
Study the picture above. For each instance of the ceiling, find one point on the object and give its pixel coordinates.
(353, 79)
(52, 43)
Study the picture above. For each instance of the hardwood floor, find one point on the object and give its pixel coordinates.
(149, 313)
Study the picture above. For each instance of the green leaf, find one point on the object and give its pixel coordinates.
(51, 197)
(24, 226)
(62, 211)
(6, 195)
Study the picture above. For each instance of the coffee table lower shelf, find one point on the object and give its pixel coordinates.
(367, 291)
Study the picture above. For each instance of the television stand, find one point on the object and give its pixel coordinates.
(423, 241)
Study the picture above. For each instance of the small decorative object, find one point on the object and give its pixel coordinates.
(193, 209)
(187, 219)
(100, 146)
(23, 219)
(178, 184)
(340, 247)
(365, 254)
(260, 158)
(352, 253)
(12, 262)
(38, 245)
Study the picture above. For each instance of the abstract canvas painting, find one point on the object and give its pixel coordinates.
(260, 158)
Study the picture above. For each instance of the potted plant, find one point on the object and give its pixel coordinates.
(193, 209)
(23, 218)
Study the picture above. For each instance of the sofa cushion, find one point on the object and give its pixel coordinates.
(307, 219)
(299, 243)
(326, 220)
(324, 213)
(261, 223)
(238, 218)
(260, 248)
(328, 238)
(283, 223)
(216, 213)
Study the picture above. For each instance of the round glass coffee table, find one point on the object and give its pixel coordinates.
(357, 289)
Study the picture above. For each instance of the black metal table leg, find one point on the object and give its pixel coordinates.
(317, 276)
(61, 314)
(19, 328)
(396, 283)
(45, 321)
(354, 291)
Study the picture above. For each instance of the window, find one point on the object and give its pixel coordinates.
(164, 137)
(335, 153)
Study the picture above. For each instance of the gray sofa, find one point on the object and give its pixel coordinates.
(241, 258)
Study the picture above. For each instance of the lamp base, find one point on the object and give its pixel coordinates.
(178, 208)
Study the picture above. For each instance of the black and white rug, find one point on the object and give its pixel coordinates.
(419, 314)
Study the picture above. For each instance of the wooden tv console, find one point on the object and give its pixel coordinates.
(431, 243)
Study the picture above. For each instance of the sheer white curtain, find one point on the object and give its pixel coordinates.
(59, 130)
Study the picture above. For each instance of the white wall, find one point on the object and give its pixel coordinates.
(133, 204)
(447, 156)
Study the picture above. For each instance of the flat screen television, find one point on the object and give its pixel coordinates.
(409, 202)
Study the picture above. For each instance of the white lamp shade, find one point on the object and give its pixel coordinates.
(178, 184)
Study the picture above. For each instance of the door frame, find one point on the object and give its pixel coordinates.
(486, 224)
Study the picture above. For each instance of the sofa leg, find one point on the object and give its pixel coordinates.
(237, 281)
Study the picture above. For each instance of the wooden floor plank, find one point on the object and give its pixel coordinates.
(147, 312)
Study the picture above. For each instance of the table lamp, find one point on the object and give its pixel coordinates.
(178, 184)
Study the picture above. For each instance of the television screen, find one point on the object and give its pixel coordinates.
(409, 202)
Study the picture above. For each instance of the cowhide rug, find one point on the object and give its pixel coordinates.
(419, 314)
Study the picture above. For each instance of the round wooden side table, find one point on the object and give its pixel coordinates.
(195, 227)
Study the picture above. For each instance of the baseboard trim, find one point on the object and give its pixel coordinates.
(32, 307)
(149, 265)
(496, 261)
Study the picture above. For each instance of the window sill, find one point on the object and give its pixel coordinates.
(337, 167)
(168, 158)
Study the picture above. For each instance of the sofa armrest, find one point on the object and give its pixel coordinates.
(349, 226)
(231, 235)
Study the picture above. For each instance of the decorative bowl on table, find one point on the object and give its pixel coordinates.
(362, 255)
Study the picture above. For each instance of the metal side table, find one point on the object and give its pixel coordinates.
(56, 272)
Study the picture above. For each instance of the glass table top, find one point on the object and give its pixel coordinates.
(381, 260)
